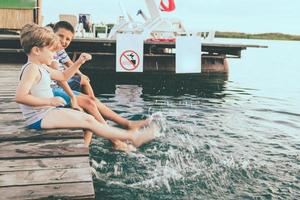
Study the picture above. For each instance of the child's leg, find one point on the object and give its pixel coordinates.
(86, 87)
(87, 137)
(111, 115)
(68, 118)
(87, 104)
(90, 107)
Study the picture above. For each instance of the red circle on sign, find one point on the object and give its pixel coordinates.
(132, 66)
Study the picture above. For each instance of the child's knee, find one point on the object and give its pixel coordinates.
(86, 101)
(84, 81)
(91, 102)
(93, 98)
(89, 119)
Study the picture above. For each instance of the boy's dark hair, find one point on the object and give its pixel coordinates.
(65, 25)
(51, 25)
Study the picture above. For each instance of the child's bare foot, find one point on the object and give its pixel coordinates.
(145, 135)
(122, 146)
(134, 125)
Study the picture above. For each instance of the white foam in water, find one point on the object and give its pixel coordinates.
(161, 121)
(117, 170)
(95, 173)
(94, 164)
(161, 177)
(181, 161)
(100, 165)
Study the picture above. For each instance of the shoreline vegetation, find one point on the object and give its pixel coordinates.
(263, 36)
(220, 34)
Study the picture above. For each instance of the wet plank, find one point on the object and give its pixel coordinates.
(6, 98)
(80, 191)
(9, 110)
(5, 106)
(44, 164)
(33, 135)
(42, 149)
(44, 177)
(12, 115)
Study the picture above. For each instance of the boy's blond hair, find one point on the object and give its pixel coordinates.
(33, 35)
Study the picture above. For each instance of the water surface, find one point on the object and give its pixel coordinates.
(235, 137)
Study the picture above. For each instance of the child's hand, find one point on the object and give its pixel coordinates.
(84, 57)
(57, 101)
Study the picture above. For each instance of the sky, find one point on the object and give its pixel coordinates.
(251, 16)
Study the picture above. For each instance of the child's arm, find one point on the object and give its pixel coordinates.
(69, 63)
(30, 76)
(70, 93)
(66, 87)
(70, 71)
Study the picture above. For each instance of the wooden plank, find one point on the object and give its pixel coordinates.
(8, 93)
(10, 68)
(9, 84)
(11, 104)
(7, 96)
(8, 73)
(44, 164)
(14, 82)
(11, 74)
(5, 100)
(11, 92)
(9, 79)
(80, 191)
(9, 126)
(9, 87)
(33, 135)
(11, 116)
(38, 177)
(42, 149)
(11, 111)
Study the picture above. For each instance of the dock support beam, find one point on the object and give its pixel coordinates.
(215, 65)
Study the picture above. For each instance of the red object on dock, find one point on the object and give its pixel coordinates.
(165, 8)
(161, 40)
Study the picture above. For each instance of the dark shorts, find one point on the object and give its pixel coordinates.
(74, 82)
(36, 125)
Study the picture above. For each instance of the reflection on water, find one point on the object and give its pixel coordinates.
(157, 84)
(233, 137)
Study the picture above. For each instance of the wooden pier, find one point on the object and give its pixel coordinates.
(38, 164)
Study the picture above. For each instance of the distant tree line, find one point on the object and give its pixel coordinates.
(267, 36)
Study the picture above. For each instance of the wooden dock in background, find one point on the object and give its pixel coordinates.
(158, 56)
(38, 164)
